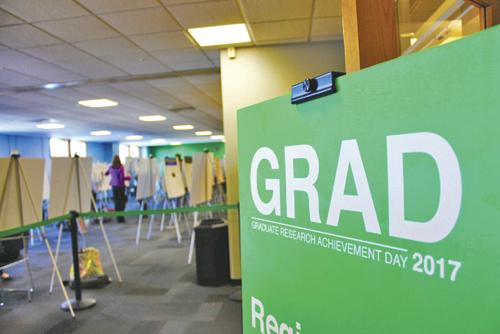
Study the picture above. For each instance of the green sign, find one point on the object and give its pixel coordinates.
(377, 209)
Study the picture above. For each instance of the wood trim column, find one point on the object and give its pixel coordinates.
(370, 32)
(490, 14)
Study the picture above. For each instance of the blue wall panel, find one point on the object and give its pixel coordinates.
(28, 146)
(38, 147)
(102, 152)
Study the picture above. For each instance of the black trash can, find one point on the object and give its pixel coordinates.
(212, 253)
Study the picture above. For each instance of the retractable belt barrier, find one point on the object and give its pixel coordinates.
(108, 214)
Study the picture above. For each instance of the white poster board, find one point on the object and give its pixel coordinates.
(132, 166)
(203, 178)
(64, 195)
(147, 177)
(173, 179)
(46, 184)
(187, 172)
(100, 181)
(12, 213)
(219, 171)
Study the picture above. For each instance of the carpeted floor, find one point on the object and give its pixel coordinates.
(159, 293)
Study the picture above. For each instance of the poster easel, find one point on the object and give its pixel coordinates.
(174, 188)
(146, 188)
(75, 196)
(17, 203)
(201, 189)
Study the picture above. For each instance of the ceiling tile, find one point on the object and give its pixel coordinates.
(265, 10)
(191, 65)
(136, 63)
(281, 31)
(162, 41)
(203, 79)
(37, 10)
(78, 29)
(326, 28)
(205, 14)
(70, 95)
(31, 66)
(15, 79)
(173, 86)
(180, 55)
(108, 6)
(7, 19)
(108, 47)
(91, 67)
(57, 52)
(25, 35)
(214, 55)
(177, 2)
(142, 21)
(324, 8)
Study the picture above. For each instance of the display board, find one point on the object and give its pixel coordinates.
(132, 166)
(187, 171)
(100, 181)
(15, 213)
(64, 183)
(202, 179)
(147, 177)
(219, 170)
(377, 209)
(172, 178)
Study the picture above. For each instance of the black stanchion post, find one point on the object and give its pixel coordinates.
(78, 303)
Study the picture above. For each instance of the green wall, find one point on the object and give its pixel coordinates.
(187, 149)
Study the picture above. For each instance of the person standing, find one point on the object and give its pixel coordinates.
(118, 178)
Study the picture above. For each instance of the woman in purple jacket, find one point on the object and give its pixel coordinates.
(118, 178)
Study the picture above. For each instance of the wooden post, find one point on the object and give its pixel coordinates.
(490, 13)
(370, 32)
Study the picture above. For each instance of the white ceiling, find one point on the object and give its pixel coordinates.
(43, 41)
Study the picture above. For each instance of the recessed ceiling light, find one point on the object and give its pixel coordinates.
(50, 126)
(152, 118)
(158, 141)
(134, 137)
(176, 143)
(218, 137)
(183, 127)
(51, 85)
(100, 133)
(221, 35)
(203, 133)
(98, 103)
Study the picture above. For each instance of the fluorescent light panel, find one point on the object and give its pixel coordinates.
(100, 133)
(176, 143)
(221, 35)
(50, 126)
(152, 118)
(203, 133)
(98, 103)
(183, 127)
(134, 137)
(158, 141)
(218, 137)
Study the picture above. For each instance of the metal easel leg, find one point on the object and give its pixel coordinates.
(28, 269)
(58, 246)
(162, 223)
(59, 278)
(110, 251)
(191, 244)
(151, 222)
(139, 225)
